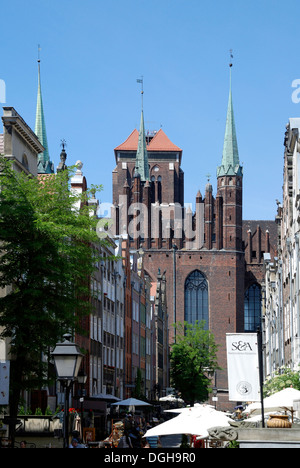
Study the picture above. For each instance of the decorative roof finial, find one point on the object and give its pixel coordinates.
(141, 81)
(63, 156)
(231, 58)
(141, 161)
(63, 143)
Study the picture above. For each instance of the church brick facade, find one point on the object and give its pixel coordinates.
(212, 258)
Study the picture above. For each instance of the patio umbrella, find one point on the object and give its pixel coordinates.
(193, 422)
(105, 396)
(171, 399)
(131, 402)
(280, 401)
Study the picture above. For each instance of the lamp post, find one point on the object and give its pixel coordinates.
(81, 379)
(67, 358)
(215, 396)
(215, 390)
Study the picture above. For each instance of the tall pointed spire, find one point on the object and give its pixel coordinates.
(230, 159)
(141, 162)
(45, 166)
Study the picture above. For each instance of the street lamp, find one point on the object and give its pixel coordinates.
(67, 358)
(215, 396)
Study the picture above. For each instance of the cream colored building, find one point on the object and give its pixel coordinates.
(282, 317)
(19, 144)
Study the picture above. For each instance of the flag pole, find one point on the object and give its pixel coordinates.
(261, 373)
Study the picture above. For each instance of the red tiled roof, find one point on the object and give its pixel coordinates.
(160, 142)
(131, 143)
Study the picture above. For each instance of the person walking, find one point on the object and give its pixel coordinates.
(125, 441)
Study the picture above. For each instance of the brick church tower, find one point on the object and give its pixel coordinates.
(230, 188)
(203, 254)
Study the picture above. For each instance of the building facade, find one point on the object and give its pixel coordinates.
(119, 331)
(161, 336)
(282, 318)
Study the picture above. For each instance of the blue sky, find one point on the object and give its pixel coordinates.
(92, 52)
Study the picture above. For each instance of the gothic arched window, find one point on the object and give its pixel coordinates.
(196, 299)
(159, 189)
(252, 308)
(153, 189)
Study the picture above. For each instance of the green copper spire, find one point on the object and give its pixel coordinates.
(45, 166)
(141, 162)
(230, 160)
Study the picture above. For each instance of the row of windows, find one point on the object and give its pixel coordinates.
(196, 306)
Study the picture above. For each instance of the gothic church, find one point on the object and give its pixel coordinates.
(213, 259)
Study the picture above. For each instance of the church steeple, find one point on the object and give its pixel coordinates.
(141, 162)
(230, 159)
(45, 166)
(229, 201)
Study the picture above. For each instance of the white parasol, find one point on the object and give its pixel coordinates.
(195, 421)
(280, 401)
(171, 399)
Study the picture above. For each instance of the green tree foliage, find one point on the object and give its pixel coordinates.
(284, 378)
(46, 261)
(193, 357)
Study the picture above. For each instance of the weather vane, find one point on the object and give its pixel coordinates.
(141, 81)
(39, 53)
(63, 143)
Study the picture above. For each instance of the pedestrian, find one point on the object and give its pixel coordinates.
(75, 444)
(143, 425)
(125, 441)
(135, 437)
(23, 444)
(128, 423)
